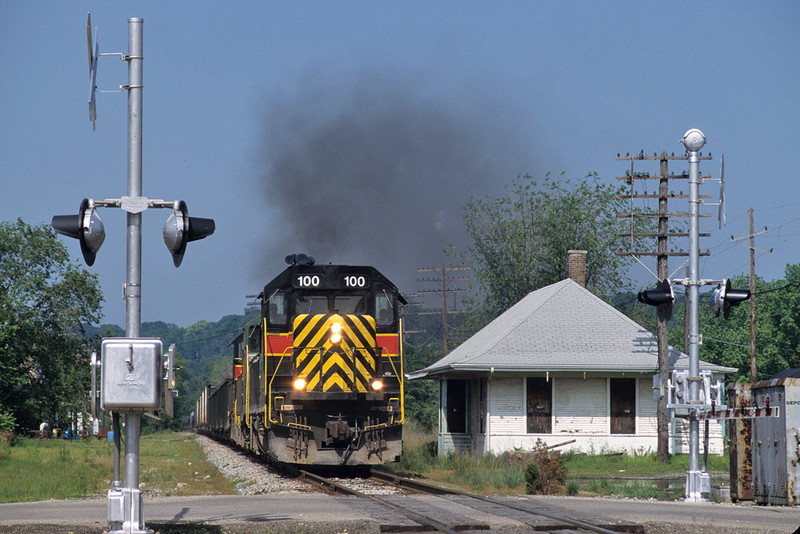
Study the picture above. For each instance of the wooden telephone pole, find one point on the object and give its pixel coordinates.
(662, 254)
(444, 290)
(752, 247)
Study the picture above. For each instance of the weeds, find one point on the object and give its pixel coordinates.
(637, 475)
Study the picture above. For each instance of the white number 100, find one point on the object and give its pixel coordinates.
(308, 280)
(355, 281)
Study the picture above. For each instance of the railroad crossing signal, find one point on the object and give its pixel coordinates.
(181, 229)
(723, 298)
(86, 227)
(662, 297)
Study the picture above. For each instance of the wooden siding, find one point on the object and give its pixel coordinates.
(580, 406)
(460, 443)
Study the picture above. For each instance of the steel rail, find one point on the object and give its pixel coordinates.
(339, 488)
(438, 490)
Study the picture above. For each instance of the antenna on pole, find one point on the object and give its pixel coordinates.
(93, 55)
(723, 219)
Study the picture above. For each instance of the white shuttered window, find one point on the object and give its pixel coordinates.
(506, 405)
(580, 406)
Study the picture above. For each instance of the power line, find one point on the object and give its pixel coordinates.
(207, 338)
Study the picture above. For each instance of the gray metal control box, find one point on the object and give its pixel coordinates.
(131, 374)
(776, 440)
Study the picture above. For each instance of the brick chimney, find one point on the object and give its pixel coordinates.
(577, 266)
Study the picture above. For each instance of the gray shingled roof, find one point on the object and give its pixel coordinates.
(561, 327)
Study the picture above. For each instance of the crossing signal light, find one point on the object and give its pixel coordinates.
(662, 297)
(86, 227)
(723, 298)
(181, 229)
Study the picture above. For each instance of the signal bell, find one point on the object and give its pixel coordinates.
(181, 229)
(86, 227)
(724, 298)
(662, 297)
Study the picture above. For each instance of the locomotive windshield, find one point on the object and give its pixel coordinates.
(312, 304)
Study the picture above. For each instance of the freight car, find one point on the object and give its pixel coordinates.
(317, 377)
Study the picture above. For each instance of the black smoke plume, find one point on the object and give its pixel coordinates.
(377, 171)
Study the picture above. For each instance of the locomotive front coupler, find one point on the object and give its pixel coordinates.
(337, 430)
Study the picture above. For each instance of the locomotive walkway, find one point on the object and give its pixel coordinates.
(324, 514)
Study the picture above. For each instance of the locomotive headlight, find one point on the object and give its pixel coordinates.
(336, 332)
(300, 384)
(377, 385)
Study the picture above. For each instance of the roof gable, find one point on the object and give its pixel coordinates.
(562, 326)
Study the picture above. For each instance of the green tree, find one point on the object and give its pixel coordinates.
(520, 241)
(44, 301)
(727, 342)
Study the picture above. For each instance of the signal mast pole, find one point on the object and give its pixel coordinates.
(134, 513)
(694, 140)
(132, 388)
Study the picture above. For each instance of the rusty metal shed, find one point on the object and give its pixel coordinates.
(776, 440)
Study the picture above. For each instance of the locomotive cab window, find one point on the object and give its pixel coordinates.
(384, 311)
(277, 309)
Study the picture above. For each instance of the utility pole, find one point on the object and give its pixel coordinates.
(753, 366)
(444, 291)
(752, 237)
(663, 236)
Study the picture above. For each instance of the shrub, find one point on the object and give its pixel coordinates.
(534, 482)
(546, 473)
(7, 421)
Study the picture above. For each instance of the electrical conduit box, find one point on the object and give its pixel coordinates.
(131, 374)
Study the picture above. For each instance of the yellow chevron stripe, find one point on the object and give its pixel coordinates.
(334, 380)
(312, 383)
(366, 327)
(366, 373)
(316, 333)
(308, 337)
(308, 364)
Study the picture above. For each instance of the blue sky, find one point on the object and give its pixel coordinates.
(355, 131)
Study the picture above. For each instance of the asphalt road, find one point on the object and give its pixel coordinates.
(323, 514)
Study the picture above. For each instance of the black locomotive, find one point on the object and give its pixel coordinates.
(318, 375)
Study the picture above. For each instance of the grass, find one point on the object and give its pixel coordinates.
(174, 464)
(169, 464)
(624, 475)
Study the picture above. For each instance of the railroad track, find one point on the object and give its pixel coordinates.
(440, 515)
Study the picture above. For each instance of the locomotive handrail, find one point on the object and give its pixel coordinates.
(247, 420)
(401, 376)
(380, 425)
(298, 425)
(398, 403)
(280, 412)
(269, 413)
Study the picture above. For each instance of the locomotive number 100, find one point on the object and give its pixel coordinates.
(355, 280)
(308, 280)
(348, 280)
